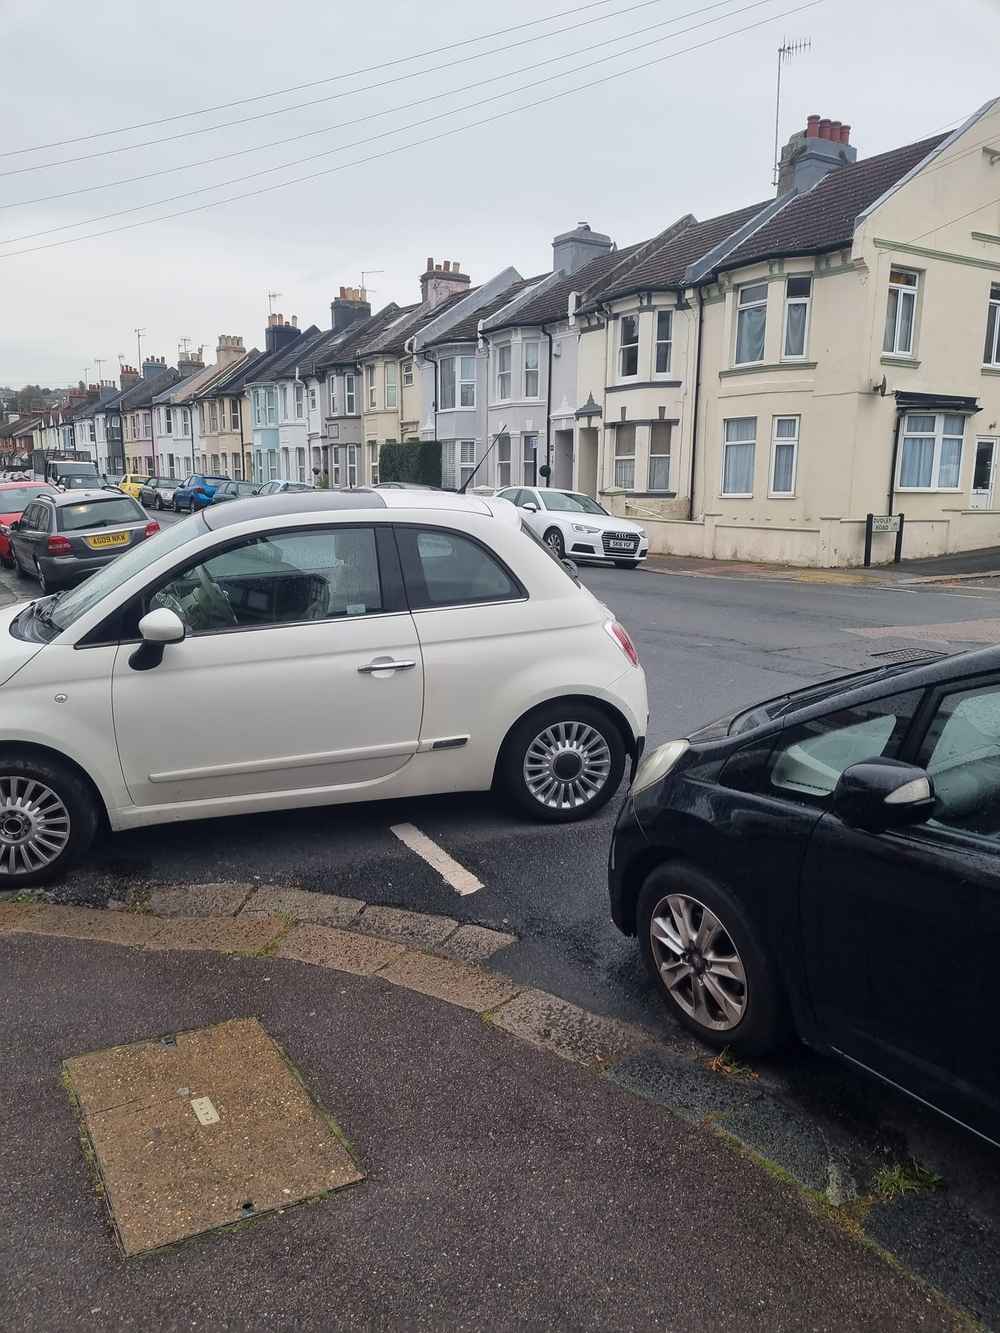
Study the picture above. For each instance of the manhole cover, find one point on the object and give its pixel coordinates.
(906, 655)
(201, 1129)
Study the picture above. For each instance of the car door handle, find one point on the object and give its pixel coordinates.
(387, 664)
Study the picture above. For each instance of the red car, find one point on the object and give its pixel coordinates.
(15, 496)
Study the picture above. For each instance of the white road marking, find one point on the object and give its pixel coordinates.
(461, 880)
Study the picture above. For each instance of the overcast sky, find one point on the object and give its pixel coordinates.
(690, 134)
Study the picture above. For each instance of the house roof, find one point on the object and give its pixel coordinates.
(396, 334)
(143, 393)
(467, 329)
(347, 348)
(234, 377)
(552, 303)
(185, 389)
(823, 218)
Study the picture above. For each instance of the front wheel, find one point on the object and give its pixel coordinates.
(562, 762)
(157, 502)
(48, 817)
(44, 583)
(554, 540)
(707, 961)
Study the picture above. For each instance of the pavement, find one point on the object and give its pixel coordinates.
(526, 1165)
(944, 568)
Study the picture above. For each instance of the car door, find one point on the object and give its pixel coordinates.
(904, 926)
(31, 535)
(300, 673)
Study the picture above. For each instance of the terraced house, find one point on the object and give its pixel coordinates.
(757, 383)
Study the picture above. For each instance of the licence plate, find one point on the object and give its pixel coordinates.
(107, 539)
(621, 546)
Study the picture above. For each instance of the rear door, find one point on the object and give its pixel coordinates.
(32, 534)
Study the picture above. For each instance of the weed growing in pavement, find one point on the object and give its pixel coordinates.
(723, 1063)
(910, 1177)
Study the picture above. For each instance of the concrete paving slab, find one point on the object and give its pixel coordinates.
(474, 944)
(219, 933)
(318, 908)
(200, 899)
(568, 1031)
(175, 1164)
(459, 983)
(326, 946)
(394, 923)
(87, 923)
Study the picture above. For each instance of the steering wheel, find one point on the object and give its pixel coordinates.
(215, 597)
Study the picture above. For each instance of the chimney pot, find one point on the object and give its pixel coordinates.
(824, 128)
(447, 266)
(845, 134)
(430, 263)
(812, 127)
(295, 321)
(835, 131)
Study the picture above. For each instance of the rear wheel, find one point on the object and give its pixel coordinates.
(45, 583)
(48, 816)
(707, 961)
(554, 540)
(562, 762)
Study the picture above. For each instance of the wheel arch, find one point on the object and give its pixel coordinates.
(30, 750)
(615, 715)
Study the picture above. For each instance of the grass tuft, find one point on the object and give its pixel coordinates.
(903, 1178)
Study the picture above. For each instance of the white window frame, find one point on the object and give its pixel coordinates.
(234, 414)
(391, 385)
(667, 454)
(533, 346)
(901, 289)
(624, 347)
(350, 394)
(300, 463)
(312, 398)
(168, 421)
(465, 460)
(939, 436)
(373, 452)
(202, 419)
(371, 389)
(531, 455)
(408, 374)
(352, 464)
(504, 362)
(745, 307)
(790, 301)
(463, 371)
(503, 462)
(659, 341)
(300, 400)
(622, 460)
(991, 355)
(213, 418)
(283, 392)
(783, 442)
(270, 405)
(726, 444)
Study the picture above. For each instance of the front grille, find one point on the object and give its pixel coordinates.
(629, 537)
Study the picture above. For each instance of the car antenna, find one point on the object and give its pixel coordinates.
(493, 443)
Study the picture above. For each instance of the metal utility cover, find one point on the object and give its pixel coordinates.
(201, 1129)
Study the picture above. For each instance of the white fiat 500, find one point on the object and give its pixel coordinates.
(312, 648)
(574, 525)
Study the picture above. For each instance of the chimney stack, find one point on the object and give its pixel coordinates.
(128, 376)
(278, 333)
(812, 127)
(440, 281)
(229, 349)
(811, 154)
(572, 249)
(347, 308)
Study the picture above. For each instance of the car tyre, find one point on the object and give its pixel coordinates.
(754, 1019)
(8, 562)
(48, 818)
(562, 762)
(44, 583)
(157, 502)
(554, 540)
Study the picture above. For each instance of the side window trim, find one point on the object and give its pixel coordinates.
(416, 589)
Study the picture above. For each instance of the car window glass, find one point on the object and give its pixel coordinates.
(99, 514)
(29, 519)
(808, 760)
(961, 752)
(447, 569)
(276, 579)
(566, 502)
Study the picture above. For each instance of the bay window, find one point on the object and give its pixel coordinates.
(458, 382)
(407, 374)
(284, 402)
(213, 417)
(991, 354)
(798, 291)
(751, 323)
(531, 352)
(270, 405)
(628, 346)
(373, 461)
(739, 452)
(624, 459)
(391, 389)
(466, 461)
(930, 456)
(370, 386)
(784, 455)
(900, 312)
(664, 340)
(234, 414)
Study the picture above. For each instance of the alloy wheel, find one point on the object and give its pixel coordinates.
(698, 962)
(34, 825)
(566, 765)
(553, 538)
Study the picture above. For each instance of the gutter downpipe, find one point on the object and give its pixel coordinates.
(694, 409)
(548, 410)
(895, 459)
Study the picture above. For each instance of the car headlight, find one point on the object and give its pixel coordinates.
(582, 527)
(641, 532)
(657, 764)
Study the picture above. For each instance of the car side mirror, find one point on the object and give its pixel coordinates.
(156, 629)
(881, 794)
(531, 508)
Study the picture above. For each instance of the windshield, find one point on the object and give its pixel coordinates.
(570, 502)
(99, 514)
(70, 606)
(13, 501)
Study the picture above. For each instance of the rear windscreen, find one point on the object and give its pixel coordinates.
(112, 513)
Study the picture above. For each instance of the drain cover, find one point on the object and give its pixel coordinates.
(201, 1130)
(906, 655)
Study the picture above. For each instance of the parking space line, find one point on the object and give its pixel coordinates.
(461, 880)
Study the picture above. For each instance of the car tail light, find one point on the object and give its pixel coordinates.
(151, 527)
(621, 636)
(59, 546)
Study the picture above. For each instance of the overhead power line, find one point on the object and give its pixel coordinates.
(419, 143)
(331, 97)
(376, 115)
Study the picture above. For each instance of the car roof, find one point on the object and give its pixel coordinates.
(28, 481)
(289, 504)
(58, 498)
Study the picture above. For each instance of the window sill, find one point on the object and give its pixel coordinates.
(990, 370)
(928, 490)
(767, 366)
(891, 359)
(734, 495)
(782, 495)
(662, 383)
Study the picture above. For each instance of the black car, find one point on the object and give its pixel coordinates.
(828, 864)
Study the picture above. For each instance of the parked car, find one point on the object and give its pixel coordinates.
(15, 496)
(64, 536)
(418, 643)
(575, 525)
(234, 490)
(828, 863)
(279, 487)
(195, 492)
(158, 492)
(132, 483)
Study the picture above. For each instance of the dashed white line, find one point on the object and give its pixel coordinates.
(461, 880)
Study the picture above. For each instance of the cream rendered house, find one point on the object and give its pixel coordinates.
(757, 384)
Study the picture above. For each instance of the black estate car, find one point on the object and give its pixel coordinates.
(828, 863)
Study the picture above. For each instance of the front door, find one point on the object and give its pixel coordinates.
(903, 928)
(300, 672)
(983, 472)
